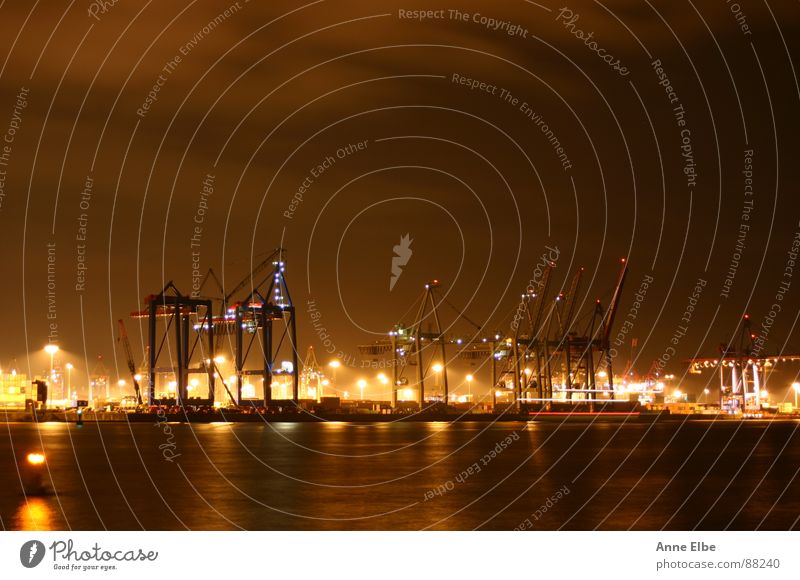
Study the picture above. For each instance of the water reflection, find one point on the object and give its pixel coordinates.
(34, 513)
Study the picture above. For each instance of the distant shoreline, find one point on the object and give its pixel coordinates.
(234, 417)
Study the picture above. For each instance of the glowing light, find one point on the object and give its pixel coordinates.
(796, 387)
(69, 366)
(602, 374)
(470, 378)
(437, 368)
(764, 394)
(528, 372)
(706, 391)
(334, 364)
(138, 377)
(362, 383)
(383, 379)
(408, 393)
(219, 359)
(35, 458)
(51, 349)
(678, 394)
(248, 391)
(194, 382)
(121, 382)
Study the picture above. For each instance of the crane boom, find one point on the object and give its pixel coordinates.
(259, 268)
(572, 298)
(612, 308)
(539, 308)
(126, 345)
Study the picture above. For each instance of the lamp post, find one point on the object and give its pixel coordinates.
(324, 383)
(361, 385)
(437, 368)
(51, 349)
(334, 364)
(384, 380)
(69, 378)
(796, 388)
(469, 387)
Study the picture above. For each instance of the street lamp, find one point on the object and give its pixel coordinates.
(334, 364)
(324, 383)
(69, 378)
(796, 388)
(469, 386)
(437, 368)
(706, 392)
(383, 379)
(361, 385)
(51, 349)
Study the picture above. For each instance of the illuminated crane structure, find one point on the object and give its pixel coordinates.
(417, 346)
(544, 359)
(566, 360)
(544, 334)
(188, 320)
(248, 323)
(312, 379)
(743, 375)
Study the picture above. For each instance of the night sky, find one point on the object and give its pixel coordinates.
(488, 132)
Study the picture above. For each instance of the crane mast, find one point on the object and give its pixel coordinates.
(126, 345)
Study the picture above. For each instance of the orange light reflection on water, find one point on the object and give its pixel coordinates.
(34, 513)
